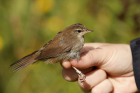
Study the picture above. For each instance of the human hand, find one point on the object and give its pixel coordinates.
(108, 68)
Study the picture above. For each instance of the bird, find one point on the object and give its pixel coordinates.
(66, 45)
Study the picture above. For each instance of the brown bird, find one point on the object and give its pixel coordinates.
(66, 45)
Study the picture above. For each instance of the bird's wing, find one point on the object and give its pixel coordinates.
(56, 47)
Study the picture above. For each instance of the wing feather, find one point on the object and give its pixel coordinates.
(56, 47)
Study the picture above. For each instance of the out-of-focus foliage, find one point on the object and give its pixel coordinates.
(26, 25)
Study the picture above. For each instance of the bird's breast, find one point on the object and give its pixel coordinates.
(75, 52)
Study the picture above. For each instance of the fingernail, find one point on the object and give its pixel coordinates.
(66, 64)
(67, 78)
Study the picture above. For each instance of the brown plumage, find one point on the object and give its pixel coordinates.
(66, 45)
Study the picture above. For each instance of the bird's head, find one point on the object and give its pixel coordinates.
(77, 29)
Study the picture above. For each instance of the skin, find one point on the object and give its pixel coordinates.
(108, 69)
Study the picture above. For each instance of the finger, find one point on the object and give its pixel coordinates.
(94, 45)
(103, 87)
(87, 47)
(95, 57)
(92, 79)
(71, 75)
(66, 64)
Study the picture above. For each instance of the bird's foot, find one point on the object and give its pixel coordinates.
(81, 76)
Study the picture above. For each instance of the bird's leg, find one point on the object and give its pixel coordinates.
(81, 76)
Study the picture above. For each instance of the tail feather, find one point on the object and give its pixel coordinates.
(25, 61)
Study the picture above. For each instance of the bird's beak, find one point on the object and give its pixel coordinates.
(89, 31)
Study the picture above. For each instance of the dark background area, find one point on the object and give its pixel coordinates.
(26, 25)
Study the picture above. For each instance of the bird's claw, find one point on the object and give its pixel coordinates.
(82, 77)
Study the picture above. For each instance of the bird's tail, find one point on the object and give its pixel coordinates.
(25, 61)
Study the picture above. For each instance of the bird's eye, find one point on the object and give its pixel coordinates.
(79, 31)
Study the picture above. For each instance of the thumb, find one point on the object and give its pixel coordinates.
(95, 57)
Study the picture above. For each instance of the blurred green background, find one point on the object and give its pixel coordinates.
(26, 25)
